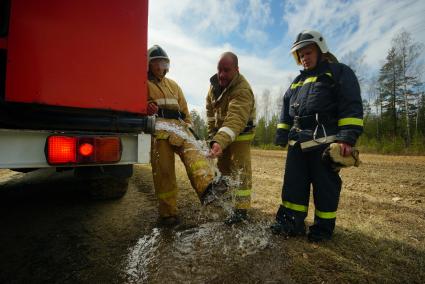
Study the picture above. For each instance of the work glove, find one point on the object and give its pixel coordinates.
(281, 138)
(152, 108)
(334, 155)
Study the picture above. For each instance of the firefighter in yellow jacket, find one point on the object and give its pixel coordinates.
(173, 135)
(231, 115)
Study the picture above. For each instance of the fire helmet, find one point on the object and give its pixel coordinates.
(308, 37)
(156, 52)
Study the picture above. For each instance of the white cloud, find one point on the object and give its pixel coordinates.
(366, 25)
(258, 16)
(195, 33)
(193, 60)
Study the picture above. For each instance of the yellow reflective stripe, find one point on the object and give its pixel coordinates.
(325, 215)
(161, 135)
(283, 125)
(329, 74)
(165, 195)
(245, 137)
(243, 192)
(350, 121)
(198, 165)
(310, 80)
(295, 207)
(295, 85)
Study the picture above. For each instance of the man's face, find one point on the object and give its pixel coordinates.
(226, 71)
(308, 56)
(159, 67)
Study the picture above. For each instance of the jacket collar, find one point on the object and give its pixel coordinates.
(152, 78)
(218, 91)
(322, 67)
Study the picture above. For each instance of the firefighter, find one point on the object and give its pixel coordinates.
(322, 105)
(231, 114)
(173, 135)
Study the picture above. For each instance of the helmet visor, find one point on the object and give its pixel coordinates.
(299, 45)
(161, 63)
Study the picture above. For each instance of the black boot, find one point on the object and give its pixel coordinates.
(214, 190)
(288, 224)
(169, 221)
(239, 215)
(288, 229)
(318, 234)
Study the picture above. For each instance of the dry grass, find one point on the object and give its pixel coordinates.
(380, 234)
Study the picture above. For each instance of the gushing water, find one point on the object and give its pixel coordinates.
(195, 253)
(182, 132)
(192, 253)
(142, 256)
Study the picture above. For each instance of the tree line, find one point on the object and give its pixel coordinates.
(393, 102)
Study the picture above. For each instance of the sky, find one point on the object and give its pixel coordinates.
(195, 33)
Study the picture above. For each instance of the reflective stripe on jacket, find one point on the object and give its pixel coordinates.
(168, 95)
(332, 91)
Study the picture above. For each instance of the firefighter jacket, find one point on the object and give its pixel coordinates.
(168, 96)
(230, 111)
(321, 106)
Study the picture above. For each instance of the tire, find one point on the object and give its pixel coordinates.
(105, 182)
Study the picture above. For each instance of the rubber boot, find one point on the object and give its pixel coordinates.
(214, 190)
(317, 234)
(238, 216)
(288, 225)
(169, 221)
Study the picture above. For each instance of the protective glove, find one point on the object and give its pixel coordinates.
(215, 150)
(345, 149)
(281, 137)
(334, 156)
(152, 108)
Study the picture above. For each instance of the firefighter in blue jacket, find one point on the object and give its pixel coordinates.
(322, 106)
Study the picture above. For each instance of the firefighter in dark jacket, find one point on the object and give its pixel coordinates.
(322, 106)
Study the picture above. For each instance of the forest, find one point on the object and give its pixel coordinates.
(393, 102)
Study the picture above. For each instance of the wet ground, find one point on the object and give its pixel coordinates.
(51, 232)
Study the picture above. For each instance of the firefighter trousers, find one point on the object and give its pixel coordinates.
(302, 170)
(198, 168)
(236, 163)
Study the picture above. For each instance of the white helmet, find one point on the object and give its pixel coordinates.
(308, 37)
(156, 52)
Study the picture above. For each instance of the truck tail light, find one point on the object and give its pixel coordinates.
(66, 150)
(61, 150)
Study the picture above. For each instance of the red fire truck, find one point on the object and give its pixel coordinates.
(73, 91)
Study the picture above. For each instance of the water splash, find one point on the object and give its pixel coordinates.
(142, 256)
(182, 132)
(194, 253)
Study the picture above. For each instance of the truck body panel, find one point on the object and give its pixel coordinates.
(79, 54)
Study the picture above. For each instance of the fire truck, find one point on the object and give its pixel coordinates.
(73, 89)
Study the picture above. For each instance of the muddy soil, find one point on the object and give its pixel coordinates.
(51, 232)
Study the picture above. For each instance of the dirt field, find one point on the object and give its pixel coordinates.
(52, 232)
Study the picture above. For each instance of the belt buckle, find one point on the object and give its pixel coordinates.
(297, 125)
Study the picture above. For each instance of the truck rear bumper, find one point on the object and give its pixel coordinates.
(26, 148)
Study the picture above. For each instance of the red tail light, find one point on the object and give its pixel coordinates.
(61, 150)
(65, 150)
(86, 149)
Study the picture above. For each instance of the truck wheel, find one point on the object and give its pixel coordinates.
(106, 182)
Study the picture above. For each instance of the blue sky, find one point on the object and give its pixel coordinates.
(195, 32)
